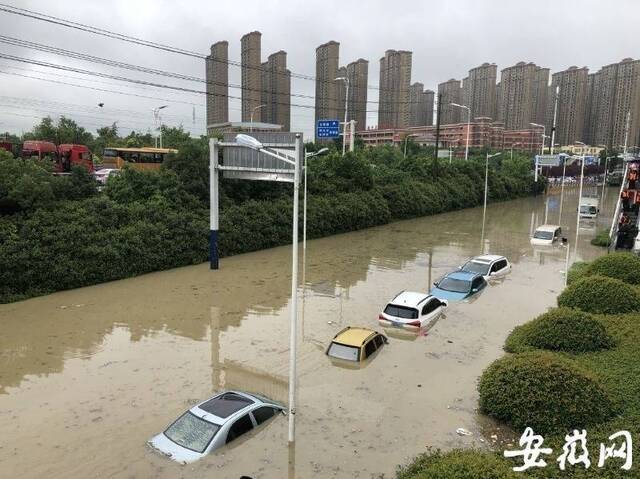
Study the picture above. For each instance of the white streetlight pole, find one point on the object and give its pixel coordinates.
(251, 142)
(346, 112)
(157, 117)
(486, 188)
(255, 108)
(406, 138)
(466, 150)
(512, 145)
(584, 150)
(555, 114)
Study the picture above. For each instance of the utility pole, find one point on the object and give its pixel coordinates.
(438, 112)
(555, 114)
(352, 137)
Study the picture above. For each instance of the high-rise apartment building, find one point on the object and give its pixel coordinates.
(516, 95)
(251, 76)
(217, 78)
(540, 95)
(571, 104)
(327, 100)
(358, 75)
(499, 101)
(615, 100)
(395, 78)
(421, 105)
(450, 92)
(276, 91)
(480, 88)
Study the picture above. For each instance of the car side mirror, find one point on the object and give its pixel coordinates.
(474, 290)
(493, 273)
(435, 283)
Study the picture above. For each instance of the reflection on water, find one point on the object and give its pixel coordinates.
(122, 359)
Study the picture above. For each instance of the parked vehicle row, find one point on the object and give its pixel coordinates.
(226, 416)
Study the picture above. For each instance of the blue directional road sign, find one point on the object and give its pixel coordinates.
(328, 129)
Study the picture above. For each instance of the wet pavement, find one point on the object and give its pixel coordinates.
(88, 376)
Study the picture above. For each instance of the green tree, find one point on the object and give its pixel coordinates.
(174, 137)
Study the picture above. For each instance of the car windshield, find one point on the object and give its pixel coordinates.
(342, 351)
(591, 210)
(191, 432)
(455, 285)
(476, 267)
(403, 312)
(545, 235)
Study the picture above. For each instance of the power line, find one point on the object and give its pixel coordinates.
(154, 71)
(137, 81)
(127, 38)
(118, 92)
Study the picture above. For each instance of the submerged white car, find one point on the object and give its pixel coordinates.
(546, 235)
(212, 424)
(490, 266)
(411, 310)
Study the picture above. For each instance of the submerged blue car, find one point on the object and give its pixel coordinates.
(458, 285)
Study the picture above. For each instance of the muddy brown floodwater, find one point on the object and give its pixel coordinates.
(88, 376)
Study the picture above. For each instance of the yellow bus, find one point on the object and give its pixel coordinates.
(144, 158)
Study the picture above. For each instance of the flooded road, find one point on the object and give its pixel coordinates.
(88, 376)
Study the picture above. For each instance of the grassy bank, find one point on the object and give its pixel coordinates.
(571, 368)
(58, 233)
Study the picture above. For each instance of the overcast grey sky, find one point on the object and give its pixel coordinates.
(447, 38)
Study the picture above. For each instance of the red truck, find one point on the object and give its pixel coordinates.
(64, 156)
(73, 155)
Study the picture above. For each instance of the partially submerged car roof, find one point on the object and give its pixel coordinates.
(463, 275)
(409, 298)
(487, 258)
(550, 228)
(222, 406)
(353, 336)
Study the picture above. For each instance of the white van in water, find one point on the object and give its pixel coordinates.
(546, 235)
(589, 207)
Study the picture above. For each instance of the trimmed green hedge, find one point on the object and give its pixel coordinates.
(599, 294)
(560, 329)
(457, 464)
(544, 391)
(601, 239)
(577, 271)
(622, 266)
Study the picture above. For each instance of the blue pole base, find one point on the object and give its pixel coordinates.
(214, 259)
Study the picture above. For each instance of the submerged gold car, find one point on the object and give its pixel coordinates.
(355, 344)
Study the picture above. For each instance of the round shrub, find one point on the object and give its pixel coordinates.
(458, 463)
(560, 329)
(544, 391)
(599, 294)
(622, 266)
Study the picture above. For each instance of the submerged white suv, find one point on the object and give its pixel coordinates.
(411, 310)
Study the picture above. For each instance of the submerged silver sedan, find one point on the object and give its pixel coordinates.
(212, 424)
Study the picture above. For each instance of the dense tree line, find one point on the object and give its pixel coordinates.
(61, 232)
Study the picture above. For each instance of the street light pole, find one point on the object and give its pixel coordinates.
(346, 112)
(486, 188)
(255, 108)
(406, 138)
(555, 114)
(156, 117)
(296, 160)
(584, 150)
(466, 150)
